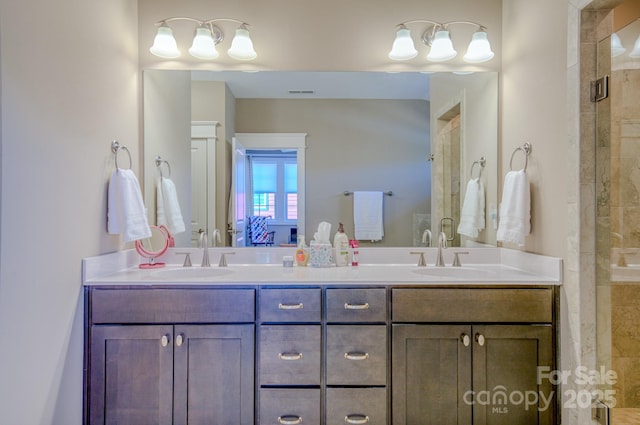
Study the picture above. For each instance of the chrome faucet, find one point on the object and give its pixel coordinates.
(442, 244)
(215, 237)
(204, 243)
(426, 237)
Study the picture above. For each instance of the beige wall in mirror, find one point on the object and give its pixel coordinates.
(352, 145)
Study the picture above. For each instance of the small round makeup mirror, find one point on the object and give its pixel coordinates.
(154, 246)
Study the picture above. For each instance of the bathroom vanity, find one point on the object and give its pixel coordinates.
(257, 343)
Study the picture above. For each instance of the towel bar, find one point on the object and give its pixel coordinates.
(347, 193)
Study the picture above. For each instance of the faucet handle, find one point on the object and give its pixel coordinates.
(421, 260)
(223, 259)
(187, 259)
(456, 258)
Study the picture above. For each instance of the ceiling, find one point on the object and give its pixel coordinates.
(321, 85)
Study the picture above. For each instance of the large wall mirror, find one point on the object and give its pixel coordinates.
(418, 138)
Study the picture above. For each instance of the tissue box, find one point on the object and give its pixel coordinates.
(320, 254)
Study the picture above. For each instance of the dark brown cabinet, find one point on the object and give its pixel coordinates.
(416, 355)
(169, 373)
(471, 373)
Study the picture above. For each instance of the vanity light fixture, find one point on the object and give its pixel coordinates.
(635, 53)
(437, 37)
(207, 36)
(616, 46)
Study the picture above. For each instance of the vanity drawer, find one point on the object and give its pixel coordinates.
(290, 354)
(356, 305)
(290, 305)
(356, 406)
(280, 406)
(160, 305)
(489, 305)
(356, 355)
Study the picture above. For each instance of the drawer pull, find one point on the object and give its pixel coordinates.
(289, 420)
(290, 356)
(356, 419)
(356, 356)
(465, 340)
(164, 340)
(480, 339)
(298, 306)
(179, 340)
(348, 306)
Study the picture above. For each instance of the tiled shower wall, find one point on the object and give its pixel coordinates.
(625, 228)
(617, 198)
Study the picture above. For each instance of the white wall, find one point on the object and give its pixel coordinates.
(77, 88)
(329, 35)
(167, 133)
(69, 86)
(533, 109)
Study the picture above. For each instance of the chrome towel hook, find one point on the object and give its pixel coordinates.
(526, 149)
(115, 148)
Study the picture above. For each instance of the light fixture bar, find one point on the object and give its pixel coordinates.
(437, 37)
(207, 36)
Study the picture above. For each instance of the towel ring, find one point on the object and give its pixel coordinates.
(481, 163)
(159, 162)
(526, 149)
(115, 148)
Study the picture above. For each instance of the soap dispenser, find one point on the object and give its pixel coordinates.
(341, 246)
(302, 253)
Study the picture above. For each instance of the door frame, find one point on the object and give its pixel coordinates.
(297, 141)
(208, 130)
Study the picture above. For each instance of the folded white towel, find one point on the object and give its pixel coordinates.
(168, 211)
(472, 216)
(515, 208)
(367, 216)
(126, 214)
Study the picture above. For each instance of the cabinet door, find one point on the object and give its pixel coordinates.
(214, 374)
(505, 375)
(431, 369)
(131, 375)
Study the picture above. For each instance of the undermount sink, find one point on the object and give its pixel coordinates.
(191, 273)
(453, 272)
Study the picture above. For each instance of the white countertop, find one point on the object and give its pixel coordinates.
(263, 266)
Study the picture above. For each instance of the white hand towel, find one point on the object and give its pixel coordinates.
(515, 208)
(472, 216)
(367, 216)
(167, 206)
(126, 214)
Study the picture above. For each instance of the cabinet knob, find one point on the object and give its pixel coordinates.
(179, 340)
(349, 306)
(480, 339)
(356, 419)
(164, 340)
(289, 420)
(298, 306)
(356, 356)
(465, 340)
(290, 356)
